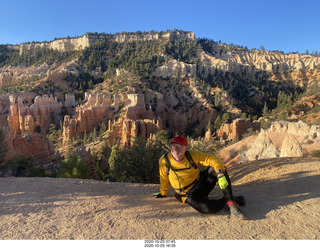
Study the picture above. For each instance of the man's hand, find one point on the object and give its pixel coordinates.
(158, 195)
(223, 183)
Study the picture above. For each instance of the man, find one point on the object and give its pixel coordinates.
(180, 171)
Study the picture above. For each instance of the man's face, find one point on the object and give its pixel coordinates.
(178, 151)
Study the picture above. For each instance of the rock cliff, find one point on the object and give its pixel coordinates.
(63, 45)
(237, 129)
(296, 128)
(80, 43)
(169, 35)
(245, 65)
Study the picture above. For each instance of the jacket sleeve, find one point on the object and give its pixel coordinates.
(164, 179)
(209, 160)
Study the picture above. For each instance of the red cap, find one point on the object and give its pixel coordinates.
(180, 140)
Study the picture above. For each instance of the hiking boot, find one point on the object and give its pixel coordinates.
(236, 212)
(240, 200)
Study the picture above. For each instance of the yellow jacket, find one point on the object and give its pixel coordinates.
(183, 178)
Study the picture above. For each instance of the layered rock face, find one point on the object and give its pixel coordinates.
(80, 43)
(37, 117)
(63, 45)
(237, 129)
(245, 65)
(296, 128)
(14, 74)
(175, 68)
(134, 128)
(11, 75)
(283, 139)
(27, 120)
(126, 116)
(172, 35)
(31, 145)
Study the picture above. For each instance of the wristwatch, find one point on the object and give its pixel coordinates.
(220, 171)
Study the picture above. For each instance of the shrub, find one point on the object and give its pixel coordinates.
(139, 163)
(315, 153)
(23, 166)
(73, 167)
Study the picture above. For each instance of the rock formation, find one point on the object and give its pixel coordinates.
(296, 128)
(24, 119)
(237, 129)
(262, 148)
(291, 147)
(175, 68)
(246, 64)
(129, 115)
(63, 45)
(85, 154)
(27, 120)
(32, 145)
(171, 35)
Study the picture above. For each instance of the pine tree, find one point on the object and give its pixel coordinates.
(225, 118)
(73, 167)
(217, 123)
(117, 162)
(3, 146)
(85, 139)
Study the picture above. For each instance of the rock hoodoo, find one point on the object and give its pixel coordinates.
(262, 148)
(291, 147)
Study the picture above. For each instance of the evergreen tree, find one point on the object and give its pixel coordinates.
(3, 146)
(73, 167)
(226, 118)
(217, 123)
(117, 160)
(85, 139)
(140, 162)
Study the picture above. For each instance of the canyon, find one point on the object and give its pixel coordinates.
(126, 116)
(174, 97)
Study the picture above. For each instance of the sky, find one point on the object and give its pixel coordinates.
(284, 25)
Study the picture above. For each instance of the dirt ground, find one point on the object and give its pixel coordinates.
(283, 199)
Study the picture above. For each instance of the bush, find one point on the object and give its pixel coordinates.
(265, 124)
(203, 145)
(73, 167)
(23, 166)
(315, 153)
(140, 163)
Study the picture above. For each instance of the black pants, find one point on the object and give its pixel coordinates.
(198, 195)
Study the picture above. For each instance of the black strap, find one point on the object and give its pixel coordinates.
(169, 166)
(193, 164)
(191, 184)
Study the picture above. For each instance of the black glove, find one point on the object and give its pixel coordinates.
(158, 195)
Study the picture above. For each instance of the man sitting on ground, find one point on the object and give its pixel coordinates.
(179, 169)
